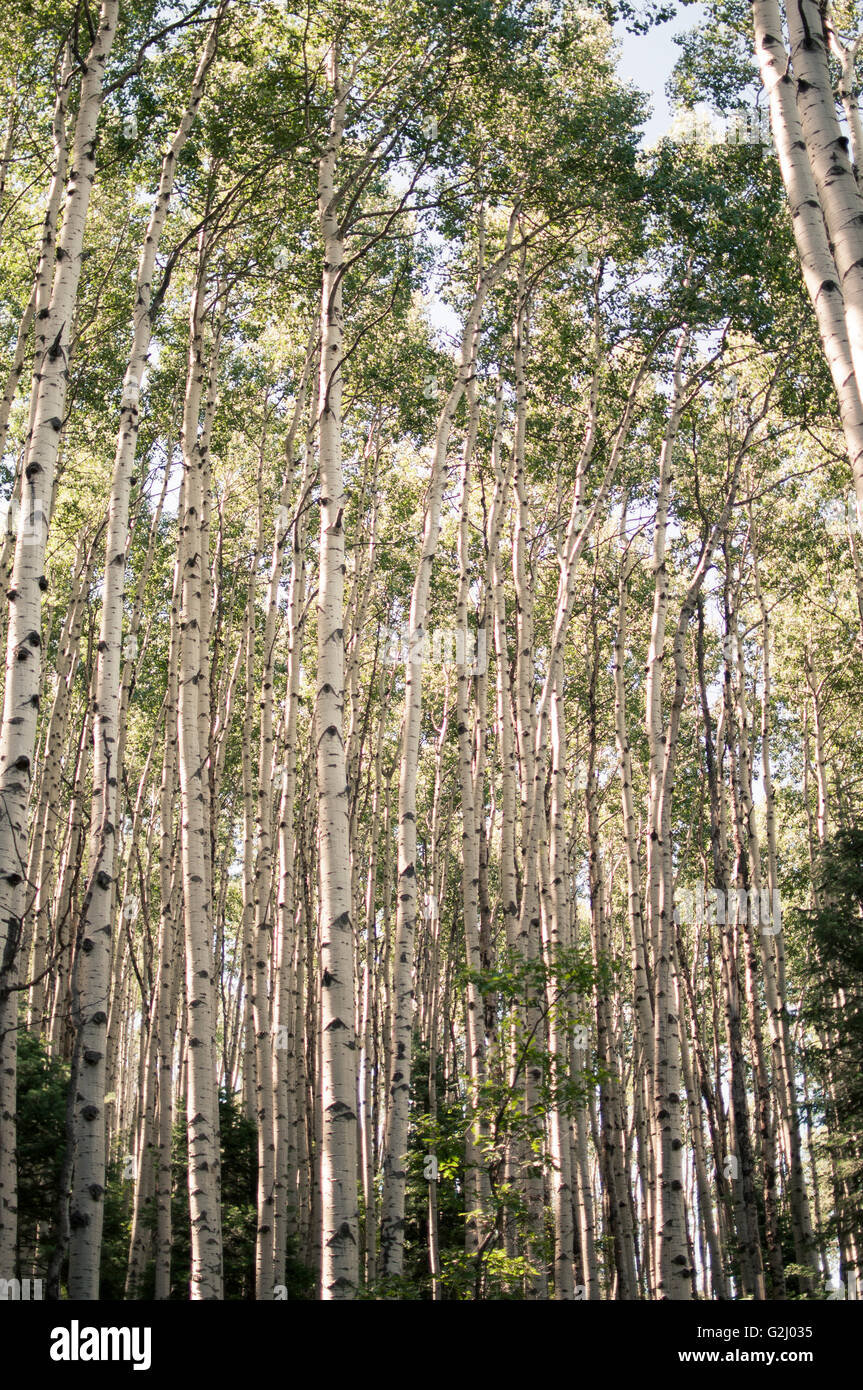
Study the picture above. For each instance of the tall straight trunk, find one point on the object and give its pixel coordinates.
(772, 948)
(96, 928)
(744, 1214)
(672, 1252)
(167, 988)
(476, 1182)
(670, 1255)
(24, 639)
(338, 1158)
(613, 1148)
(370, 1005)
(285, 1217)
(527, 927)
(556, 938)
(641, 973)
(396, 1136)
(49, 802)
(202, 1119)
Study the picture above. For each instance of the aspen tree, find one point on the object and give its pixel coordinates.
(642, 991)
(807, 140)
(773, 955)
(527, 931)
(350, 912)
(339, 1217)
(168, 978)
(612, 1153)
(670, 1233)
(287, 937)
(89, 1183)
(202, 1104)
(24, 642)
(34, 312)
(395, 1140)
(670, 1258)
(48, 800)
(745, 1215)
(556, 937)
(839, 197)
(477, 1187)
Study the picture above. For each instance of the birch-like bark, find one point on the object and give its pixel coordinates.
(476, 1188)
(744, 1213)
(395, 1140)
(338, 1174)
(821, 274)
(846, 55)
(24, 640)
(46, 819)
(670, 1254)
(285, 1217)
(641, 974)
(34, 311)
(840, 198)
(94, 969)
(773, 957)
(202, 1103)
(168, 976)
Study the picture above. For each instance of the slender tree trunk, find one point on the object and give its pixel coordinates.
(339, 1215)
(24, 640)
(202, 1103)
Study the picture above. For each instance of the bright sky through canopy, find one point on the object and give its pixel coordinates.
(647, 60)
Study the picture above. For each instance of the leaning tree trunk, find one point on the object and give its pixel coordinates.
(820, 261)
(24, 636)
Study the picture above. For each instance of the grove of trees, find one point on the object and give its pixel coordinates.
(430, 758)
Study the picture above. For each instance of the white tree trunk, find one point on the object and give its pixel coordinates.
(24, 636)
(339, 1209)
